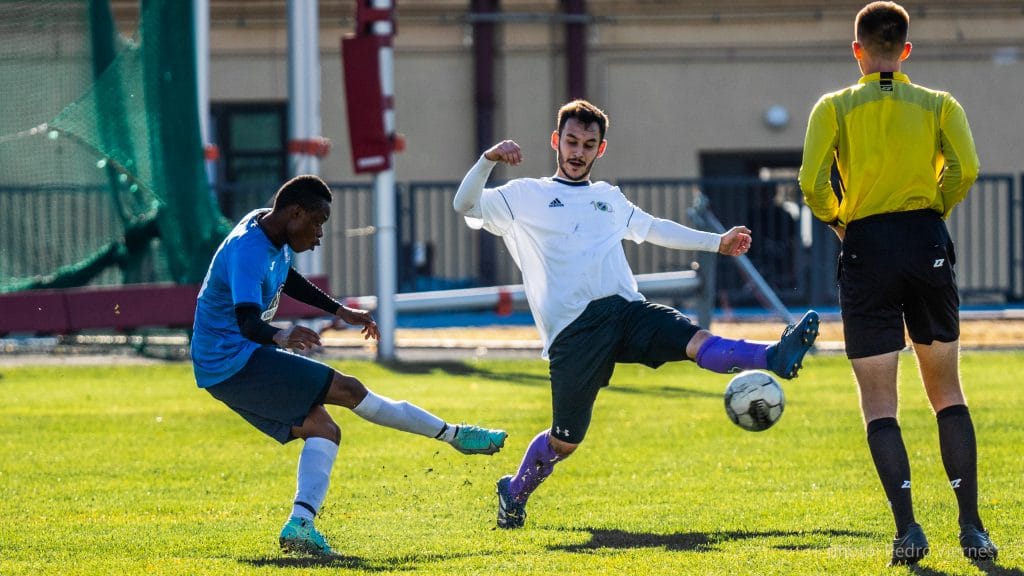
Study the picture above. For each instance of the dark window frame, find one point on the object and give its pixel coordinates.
(228, 173)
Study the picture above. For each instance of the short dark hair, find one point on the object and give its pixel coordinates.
(586, 113)
(882, 28)
(303, 190)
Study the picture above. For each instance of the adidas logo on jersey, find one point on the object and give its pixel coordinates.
(556, 203)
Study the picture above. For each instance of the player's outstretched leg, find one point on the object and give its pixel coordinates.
(727, 356)
(408, 417)
(470, 439)
(785, 358)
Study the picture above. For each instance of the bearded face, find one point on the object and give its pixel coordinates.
(578, 147)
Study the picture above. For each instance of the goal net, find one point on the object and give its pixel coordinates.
(102, 178)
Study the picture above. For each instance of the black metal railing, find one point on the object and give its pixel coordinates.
(794, 252)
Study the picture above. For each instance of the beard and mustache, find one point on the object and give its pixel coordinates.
(564, 166)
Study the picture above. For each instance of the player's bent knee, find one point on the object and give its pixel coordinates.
(329, 431)
(318, 424)
(563, 449)
(345, 391)
(695, 343)
(335, 433)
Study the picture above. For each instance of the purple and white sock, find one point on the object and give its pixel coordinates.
(725, 356)
(538, 463)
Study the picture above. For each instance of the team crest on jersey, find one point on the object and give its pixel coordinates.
(602, 206)
(271, 310)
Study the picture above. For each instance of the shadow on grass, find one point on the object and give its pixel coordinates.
(336, 561)
(989, 568)
(405, 562)
(453, 368)
(696, 541)
(924, 571)
(665, 391)
(994, 569)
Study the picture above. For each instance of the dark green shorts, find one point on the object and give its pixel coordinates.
(275, 390)
(584, 354)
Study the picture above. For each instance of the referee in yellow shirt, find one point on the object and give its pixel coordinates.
(906, 157)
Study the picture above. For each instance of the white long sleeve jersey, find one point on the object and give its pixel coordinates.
(566, 238)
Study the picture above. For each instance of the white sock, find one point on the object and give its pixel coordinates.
(447, 434)
(399, 415)
(314, 476)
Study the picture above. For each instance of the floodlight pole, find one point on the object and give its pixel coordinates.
(304, 104)
(385, 211)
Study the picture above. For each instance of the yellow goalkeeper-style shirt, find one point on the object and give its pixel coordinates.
(898, 146)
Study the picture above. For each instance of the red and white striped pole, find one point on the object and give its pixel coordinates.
(305, 144)
(385, 211)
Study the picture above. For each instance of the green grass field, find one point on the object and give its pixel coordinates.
(132, 470)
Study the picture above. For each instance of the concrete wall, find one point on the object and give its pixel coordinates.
(673, 86)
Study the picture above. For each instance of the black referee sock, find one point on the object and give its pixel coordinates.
(959, 449)
(885, 440)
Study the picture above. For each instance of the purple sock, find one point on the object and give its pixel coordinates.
(725, 356)
(538, 463)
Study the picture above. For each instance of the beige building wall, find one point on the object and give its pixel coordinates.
(676, 82)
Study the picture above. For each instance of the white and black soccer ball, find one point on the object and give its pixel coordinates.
(754, 400)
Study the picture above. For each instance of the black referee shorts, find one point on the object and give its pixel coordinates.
(897, 269)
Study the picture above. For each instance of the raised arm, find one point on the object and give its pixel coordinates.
(467, 198)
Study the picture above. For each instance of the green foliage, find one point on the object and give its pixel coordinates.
(133, 470)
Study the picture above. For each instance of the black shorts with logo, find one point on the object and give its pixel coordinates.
(897, 269)
(610, 330)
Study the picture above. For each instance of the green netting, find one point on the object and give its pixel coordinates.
(102, 178)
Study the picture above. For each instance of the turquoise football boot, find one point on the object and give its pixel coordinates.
(299, 536)
(475, 440)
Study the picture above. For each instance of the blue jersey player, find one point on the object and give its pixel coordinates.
(245, 362)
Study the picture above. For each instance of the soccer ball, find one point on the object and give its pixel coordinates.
(754, 400)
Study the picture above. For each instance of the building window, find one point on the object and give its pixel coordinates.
(252, 139)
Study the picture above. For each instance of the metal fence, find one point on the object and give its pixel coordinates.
(785, 238)
(43, 228)
(794, 252)
(48, 229)
(987, 229)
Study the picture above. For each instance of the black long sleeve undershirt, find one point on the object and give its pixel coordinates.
(252, 326)
(299, 287)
